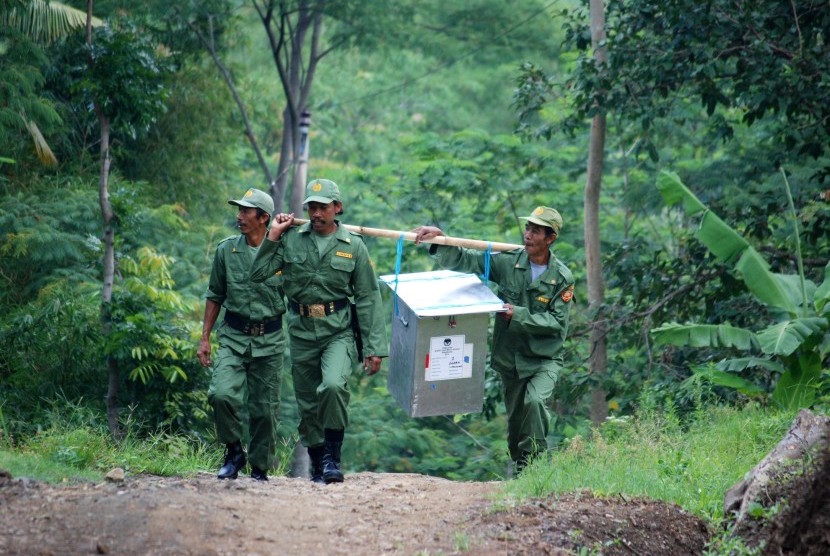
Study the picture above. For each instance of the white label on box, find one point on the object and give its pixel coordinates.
(449, 358)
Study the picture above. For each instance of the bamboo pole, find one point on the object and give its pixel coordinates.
(440, 240)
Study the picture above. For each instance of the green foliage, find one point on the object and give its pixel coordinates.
(798, 338)
(760, 60)
(23, 103)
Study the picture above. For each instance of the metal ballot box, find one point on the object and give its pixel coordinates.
(438, 350)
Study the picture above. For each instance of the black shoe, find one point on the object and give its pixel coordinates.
(258, 474)
(234, 461)
(331, 463)
(332, 473)
(316, 454)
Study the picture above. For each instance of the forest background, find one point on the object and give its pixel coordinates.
(465, 115)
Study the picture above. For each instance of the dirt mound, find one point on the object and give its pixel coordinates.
(572, 523)
(368, 514)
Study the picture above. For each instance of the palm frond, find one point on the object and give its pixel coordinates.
(43, 21)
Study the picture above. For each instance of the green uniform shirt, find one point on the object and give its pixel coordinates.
(532, 340)
(344, 270)
(230, 287)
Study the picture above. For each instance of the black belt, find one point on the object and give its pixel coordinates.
(318, 309)
(254, 328)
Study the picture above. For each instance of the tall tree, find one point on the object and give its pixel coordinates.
(598, 360)
(124, 84)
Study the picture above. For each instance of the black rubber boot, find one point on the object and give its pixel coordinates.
(234, 461)
(258, 474)
(522, 462)
(331, 456)
(315, 454)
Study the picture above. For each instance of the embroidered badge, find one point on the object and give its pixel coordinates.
(544, 300)
(249, 193)
(316, 187)
(342, 254)
(538, 211)
(568, 294)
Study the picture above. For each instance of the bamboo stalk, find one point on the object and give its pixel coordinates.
(440, 240)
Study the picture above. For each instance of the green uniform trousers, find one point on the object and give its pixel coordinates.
(321, 372)
(528, 419)
(245, 389)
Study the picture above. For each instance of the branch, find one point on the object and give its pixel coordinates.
(249, 132)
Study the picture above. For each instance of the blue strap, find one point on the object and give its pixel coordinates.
(487, 254)
(398, 258)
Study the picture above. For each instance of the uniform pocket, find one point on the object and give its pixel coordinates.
(341, 260)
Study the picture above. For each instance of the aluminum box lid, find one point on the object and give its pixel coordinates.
(443, 292)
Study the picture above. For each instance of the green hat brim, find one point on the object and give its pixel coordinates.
(318, 199)
(243, 204)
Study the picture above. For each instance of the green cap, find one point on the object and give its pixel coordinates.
(545, 216)
(321, 191)
(254, 198)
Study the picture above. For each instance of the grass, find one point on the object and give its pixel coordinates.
(691, 464)
(78, 447)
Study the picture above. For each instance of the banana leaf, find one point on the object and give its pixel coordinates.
(728, 380)
(728, 246)
(822, 295)
(737, 364)
(705, 335)
(786, 337)
(797, 387)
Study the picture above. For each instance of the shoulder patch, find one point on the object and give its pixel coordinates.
(568, 294)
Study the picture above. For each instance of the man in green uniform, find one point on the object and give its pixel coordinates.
(246, 369)
(537, 290)
(324, 267)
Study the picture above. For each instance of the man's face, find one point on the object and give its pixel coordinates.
(322, 216)
(247, 220)
(536, 240)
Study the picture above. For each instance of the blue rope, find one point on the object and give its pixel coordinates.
(398, 258)
(487, 254)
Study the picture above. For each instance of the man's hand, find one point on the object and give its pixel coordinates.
(425, 233)
(371, 364)
(279, 224)
(508, 314)
(203, 353)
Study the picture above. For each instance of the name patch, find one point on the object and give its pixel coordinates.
(342, 254)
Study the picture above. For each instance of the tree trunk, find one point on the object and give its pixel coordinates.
(809, 435)
(107, 216)
(598, 358)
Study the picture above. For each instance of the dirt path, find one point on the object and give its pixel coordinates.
(368, 514)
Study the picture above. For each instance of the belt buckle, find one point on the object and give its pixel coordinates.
(317, 310)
